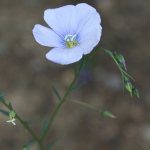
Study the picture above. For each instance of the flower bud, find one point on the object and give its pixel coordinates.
(12, 114)
(121, 60)
(25, 147)
(135, 91)
(128, 86)
(126, 78)
(107, 114)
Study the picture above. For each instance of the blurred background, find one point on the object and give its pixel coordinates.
(26, 78)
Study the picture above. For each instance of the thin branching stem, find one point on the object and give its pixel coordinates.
(63, 99)
(82, 103)
(82, 65)
(26, 126)
(60, 103)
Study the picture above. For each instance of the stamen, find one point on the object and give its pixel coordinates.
(73, 37)
(67, 36)
(70, 40)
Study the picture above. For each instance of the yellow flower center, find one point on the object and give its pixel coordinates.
(70, 40)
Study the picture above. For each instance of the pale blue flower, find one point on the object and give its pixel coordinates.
(76, 30)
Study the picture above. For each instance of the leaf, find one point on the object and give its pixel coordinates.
(109, 52)
(6, 113)
(1, 98)
(55, 91)
(45, 121)
(50, 145)
(106, 113)
(10, 106)
(77, 86)
(30, 143)
(127, 74)
(1, 94)
(32, 120)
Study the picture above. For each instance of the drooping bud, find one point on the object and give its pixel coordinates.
(121, 60)
(135, 91)
(107, 114)
(129, 86)
(25, 147)
(12, 114)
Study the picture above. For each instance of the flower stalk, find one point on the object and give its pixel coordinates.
(103, 112)
(25, 126)
(60, 103)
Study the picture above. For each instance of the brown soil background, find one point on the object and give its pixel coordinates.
(26, 77)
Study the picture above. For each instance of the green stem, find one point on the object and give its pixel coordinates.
(75, 69)
(111, 56)
(63, 99)
(107, 46)
(39, 141)
(93, 54)
(26, 126)
(24, 136)
(40, 145)
(82, 103)
(61, 102)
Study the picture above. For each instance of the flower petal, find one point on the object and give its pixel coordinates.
(65, 56)
(61, 20)
(13, 123)
(46, 37)
(90, 38)
(89, 29)
(86, 17)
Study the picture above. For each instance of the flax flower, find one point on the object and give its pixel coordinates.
(75, 31)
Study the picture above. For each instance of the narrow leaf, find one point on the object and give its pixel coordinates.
(50, 145)
(10, 106)
(109, 52)
(45, 121)
(106, 113)
(2, 99)
(30, 143)
(77, 86)
(1, 94)
(6, 113)
(32, 120)
(55, 91)
(127, 74)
